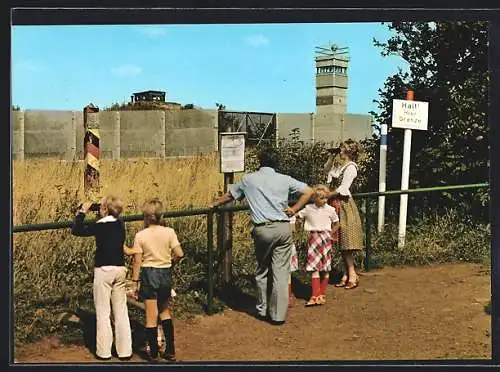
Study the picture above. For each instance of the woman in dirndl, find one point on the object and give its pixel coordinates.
(340, 177)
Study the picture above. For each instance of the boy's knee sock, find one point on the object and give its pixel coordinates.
(168, 329)
(152, 338)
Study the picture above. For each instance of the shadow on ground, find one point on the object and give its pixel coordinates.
(88, 326)
(237, 299)
(301, 283)
(245, 301)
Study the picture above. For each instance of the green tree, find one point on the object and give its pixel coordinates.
(448, 67)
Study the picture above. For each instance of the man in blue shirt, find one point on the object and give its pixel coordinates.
(267, 194)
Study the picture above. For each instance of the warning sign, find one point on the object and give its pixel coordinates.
(232, 152)
(409, 114)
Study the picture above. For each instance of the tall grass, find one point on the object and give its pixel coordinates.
(47, 190)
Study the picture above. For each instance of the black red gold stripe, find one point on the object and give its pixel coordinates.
(92, 139)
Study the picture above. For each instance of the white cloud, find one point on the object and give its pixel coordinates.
(257, 40)
(152, 31)
(126, 70)
(29, 66)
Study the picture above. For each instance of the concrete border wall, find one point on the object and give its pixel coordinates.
(133, 134)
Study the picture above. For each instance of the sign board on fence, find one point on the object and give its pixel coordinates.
(409, 114)
(232, 152)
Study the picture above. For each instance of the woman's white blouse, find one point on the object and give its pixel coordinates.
(350, 172)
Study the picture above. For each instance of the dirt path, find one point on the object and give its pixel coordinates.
(396, 313)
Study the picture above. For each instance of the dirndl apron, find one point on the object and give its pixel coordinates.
(350, 234)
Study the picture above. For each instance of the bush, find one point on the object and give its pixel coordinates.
(304, 161)
(432, 241)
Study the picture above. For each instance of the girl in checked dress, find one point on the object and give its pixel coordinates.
(321, 221)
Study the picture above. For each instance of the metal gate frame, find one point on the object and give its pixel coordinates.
(243, 121)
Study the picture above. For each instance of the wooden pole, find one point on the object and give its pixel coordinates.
(227, 235)
(226, 221)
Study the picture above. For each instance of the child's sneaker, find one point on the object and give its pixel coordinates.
(313, 301)
(150, 358)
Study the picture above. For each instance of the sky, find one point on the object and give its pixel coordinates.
(256, 67)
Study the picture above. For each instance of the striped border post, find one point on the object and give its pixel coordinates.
(91, 149)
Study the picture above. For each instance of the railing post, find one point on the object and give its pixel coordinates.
(210, 247)
(219, 250)
(367, 208)
(220, 246)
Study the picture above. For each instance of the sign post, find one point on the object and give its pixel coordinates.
(407, 114)
(232, 159)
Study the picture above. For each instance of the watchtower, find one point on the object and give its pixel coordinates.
(331, 79)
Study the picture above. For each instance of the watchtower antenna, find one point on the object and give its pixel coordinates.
(331, 50)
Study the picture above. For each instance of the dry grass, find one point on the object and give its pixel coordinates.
(40, 185)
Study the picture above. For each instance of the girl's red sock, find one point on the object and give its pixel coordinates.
(315, 284)
(323, 285)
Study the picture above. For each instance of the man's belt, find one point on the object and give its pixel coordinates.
(269, 222)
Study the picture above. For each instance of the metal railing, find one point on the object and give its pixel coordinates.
(365, 197)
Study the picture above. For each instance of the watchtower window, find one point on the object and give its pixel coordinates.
(331, 70)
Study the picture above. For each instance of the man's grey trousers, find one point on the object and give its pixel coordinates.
(273, 249)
